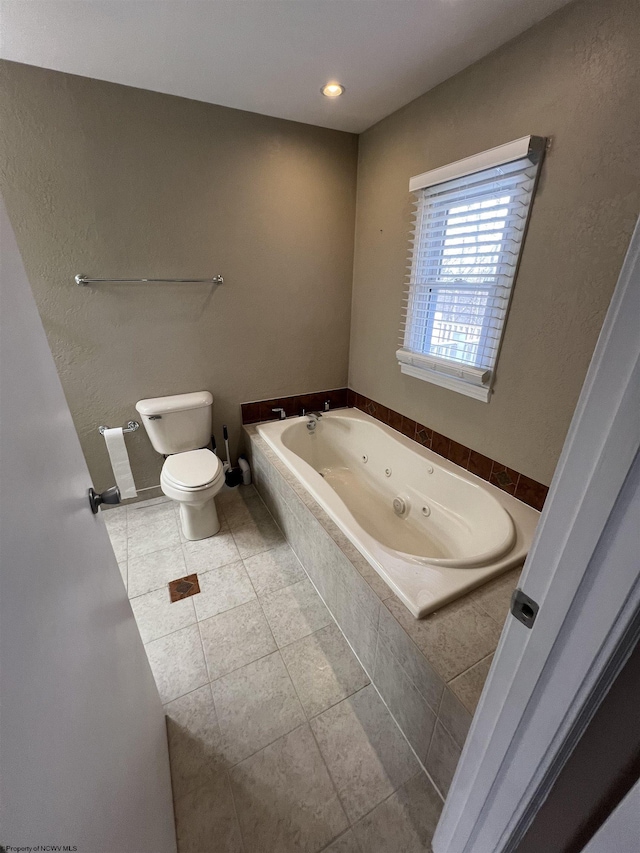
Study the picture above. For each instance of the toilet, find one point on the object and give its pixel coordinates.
(179, 427)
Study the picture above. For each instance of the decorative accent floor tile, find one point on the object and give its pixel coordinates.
(184, 587)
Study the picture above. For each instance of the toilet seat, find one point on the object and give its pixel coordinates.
(193, 470)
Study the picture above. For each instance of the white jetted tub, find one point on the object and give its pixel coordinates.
(432, 530)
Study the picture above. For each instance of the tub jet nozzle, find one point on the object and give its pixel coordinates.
(400, 506)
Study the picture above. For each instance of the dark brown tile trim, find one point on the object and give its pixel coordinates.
(260, 410)
(524, 488)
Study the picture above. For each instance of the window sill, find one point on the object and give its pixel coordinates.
(478, 392)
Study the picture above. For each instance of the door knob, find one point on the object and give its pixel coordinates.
(109, 496)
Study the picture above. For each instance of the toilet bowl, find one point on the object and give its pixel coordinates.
(179, 427)
(193, 479)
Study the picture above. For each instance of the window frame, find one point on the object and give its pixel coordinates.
(473, 381)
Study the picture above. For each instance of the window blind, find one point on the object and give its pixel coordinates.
(464, 252)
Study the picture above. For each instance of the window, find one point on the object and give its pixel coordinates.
(471, 219)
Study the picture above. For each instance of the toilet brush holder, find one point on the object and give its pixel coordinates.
(233, 477)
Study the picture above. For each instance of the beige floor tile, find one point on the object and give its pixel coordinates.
(207, 554)
(405, 822)
(274, 569)
(235, 638)
(222, 589)
(195, 742)
(246, 510)
(256, 705)
(254, 537)
(295, 612)
(116, 523)
(114, 519)
(151, 529)
(177, 663)
(323, 669)
(154, 571)
(206, 820)
(366, 755)
(156, 615)
(285, 799)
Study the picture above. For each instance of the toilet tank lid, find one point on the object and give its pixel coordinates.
(174, 403)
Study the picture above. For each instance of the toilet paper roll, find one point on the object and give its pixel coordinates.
(119, 457)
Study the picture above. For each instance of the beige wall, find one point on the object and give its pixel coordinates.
(108, 180)
(576, 78)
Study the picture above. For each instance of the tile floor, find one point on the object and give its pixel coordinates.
(278, 742)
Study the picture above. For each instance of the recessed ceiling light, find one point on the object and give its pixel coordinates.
(332, 90)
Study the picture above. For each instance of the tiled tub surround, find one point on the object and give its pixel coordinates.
(278, 741)
(453, 531)
(524, 488)
(430, 672)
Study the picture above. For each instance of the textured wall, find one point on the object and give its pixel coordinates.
(107, 180)
(576, 78)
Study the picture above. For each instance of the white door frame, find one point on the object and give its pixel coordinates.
(546, 683)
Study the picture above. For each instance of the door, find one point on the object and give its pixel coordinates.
(583, 571)
(621, 831)
(83, 750)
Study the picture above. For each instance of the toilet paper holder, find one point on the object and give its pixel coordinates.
(131, 426)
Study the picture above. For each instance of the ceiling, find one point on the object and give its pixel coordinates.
(268, 56)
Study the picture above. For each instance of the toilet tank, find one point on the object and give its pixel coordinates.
(178, 423)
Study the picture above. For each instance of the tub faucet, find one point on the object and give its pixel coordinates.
(280, 413)
(314, 417)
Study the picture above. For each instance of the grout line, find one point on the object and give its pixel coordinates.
(419, 760)
(235, 807)
(329, 774)
(235, 669)
(392, 794)
(343, 835)
(169, 633)
(464, 671)
(188, 693)
(271, 742)
(409, 678)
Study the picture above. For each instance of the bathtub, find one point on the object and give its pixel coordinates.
(431, 530)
